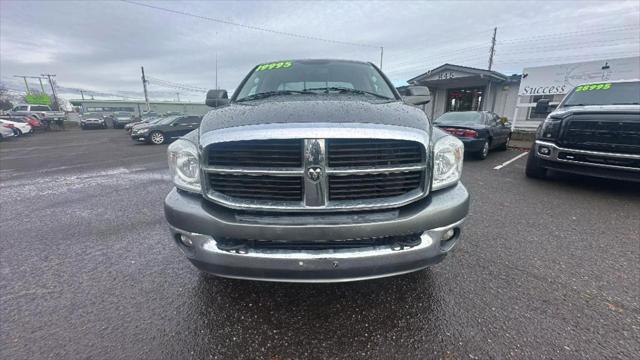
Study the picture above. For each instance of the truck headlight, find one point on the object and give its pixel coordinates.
(448, 153)
(550, 128)
(184, 165)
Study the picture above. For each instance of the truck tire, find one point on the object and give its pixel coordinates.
(534, 169)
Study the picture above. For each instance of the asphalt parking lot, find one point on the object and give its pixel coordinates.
(548, 269)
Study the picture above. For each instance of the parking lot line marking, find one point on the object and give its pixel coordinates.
(510, 161)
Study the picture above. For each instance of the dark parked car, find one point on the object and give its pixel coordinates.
(480, 131)
(166, 129)
(130, 126)
(120, 119)
(93, 120)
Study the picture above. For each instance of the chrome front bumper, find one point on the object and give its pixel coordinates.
(190, 216)
(555, 150)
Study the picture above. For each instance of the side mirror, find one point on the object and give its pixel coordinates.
(417, 95)
(217, 98)
(542, 106)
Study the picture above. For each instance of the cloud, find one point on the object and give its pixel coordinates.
(101, 45)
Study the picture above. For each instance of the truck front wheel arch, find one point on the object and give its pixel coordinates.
(534, 168)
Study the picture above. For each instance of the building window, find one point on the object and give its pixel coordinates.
(465, 99)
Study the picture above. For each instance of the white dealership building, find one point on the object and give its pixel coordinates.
(461, 88)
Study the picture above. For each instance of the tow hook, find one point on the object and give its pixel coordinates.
(406, 243)
(235, 246)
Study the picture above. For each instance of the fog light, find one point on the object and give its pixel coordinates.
(449, 234)
(544, 150)
(186, 241)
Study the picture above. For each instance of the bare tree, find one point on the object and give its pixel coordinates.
(5, 104)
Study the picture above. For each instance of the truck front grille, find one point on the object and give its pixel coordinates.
(372, 152)
(373, 186)
(397, 241)
(264, 187)
(315, 174)
(257, 153)
(607, 135)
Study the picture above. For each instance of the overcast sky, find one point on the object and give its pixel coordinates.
(100, 46)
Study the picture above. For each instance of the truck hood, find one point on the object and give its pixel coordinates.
(339, 109)
(623, 109)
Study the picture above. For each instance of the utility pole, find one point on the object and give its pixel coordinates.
(216, 61)
(25, 77)
(26, 85)
(53, 90)
(41, 85)
(381, 53)
(82, 94)
(144, 86)
(493, 47)
(178, 95)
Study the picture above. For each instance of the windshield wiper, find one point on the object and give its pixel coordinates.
(629, 103)
(267, 94)
(350, 90)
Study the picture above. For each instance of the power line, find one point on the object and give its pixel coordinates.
(174, 85)
(252, 27)
(258, 28)
(482, 32)
(570, 34)
(577, 56)
(443, 55)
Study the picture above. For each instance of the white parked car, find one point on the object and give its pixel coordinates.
(20, 128)
(5, 132)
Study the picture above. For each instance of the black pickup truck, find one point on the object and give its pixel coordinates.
(595, 131)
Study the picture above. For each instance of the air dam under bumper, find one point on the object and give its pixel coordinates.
(191, 216)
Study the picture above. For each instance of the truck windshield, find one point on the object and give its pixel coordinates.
(315, 77)
(626, 93)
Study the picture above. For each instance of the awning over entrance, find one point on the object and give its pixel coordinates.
(449, 75)
(460, 88)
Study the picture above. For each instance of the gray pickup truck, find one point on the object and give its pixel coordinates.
(595, 131)
(40, 112)
(316, 171)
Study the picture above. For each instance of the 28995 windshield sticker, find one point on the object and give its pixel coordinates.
(277, 65)
(591, 87)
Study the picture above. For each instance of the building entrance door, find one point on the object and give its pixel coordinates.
(465, 99)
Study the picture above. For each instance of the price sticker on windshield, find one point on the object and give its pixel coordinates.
(592, 87)
(277, 65)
